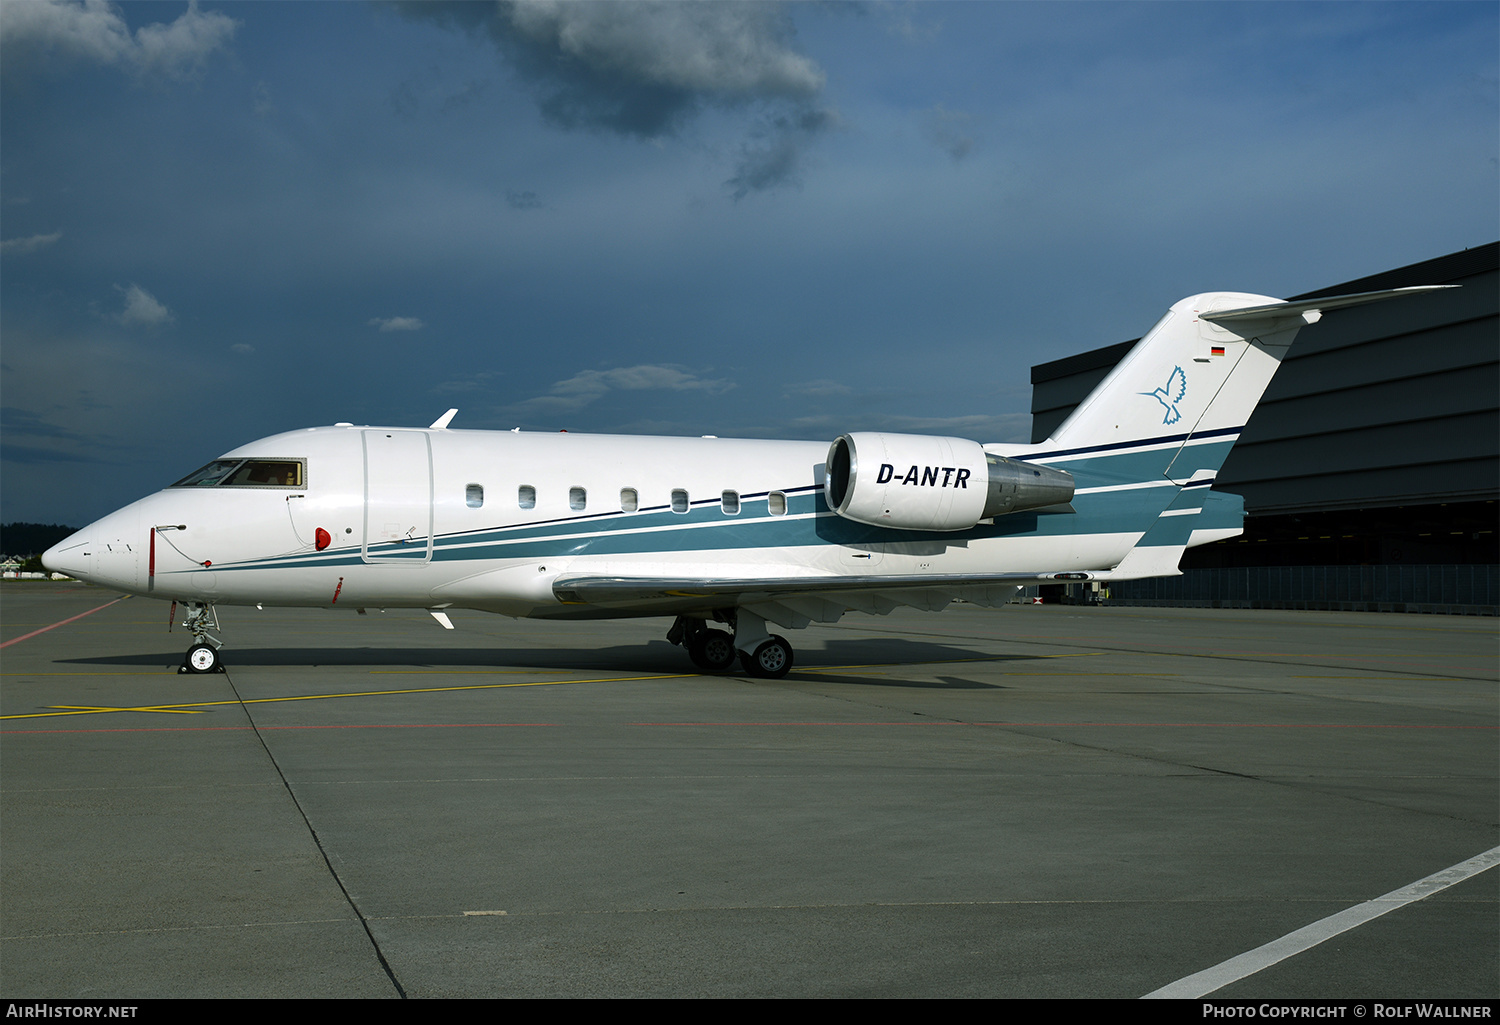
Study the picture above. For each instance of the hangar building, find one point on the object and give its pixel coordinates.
(1371, 468)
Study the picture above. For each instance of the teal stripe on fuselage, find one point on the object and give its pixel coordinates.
(707, 528)
(1094, 471)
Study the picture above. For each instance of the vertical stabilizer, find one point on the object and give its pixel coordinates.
(1170, 411)
(1188, 376)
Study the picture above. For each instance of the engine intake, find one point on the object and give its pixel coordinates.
(919, 482)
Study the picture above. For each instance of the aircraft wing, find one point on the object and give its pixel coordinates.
(793, 602)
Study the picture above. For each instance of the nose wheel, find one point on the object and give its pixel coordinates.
(203, 656)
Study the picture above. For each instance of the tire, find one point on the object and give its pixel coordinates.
(772, 660)
(201, 658)
(712, 651)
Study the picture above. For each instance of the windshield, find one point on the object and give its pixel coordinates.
(246, 473)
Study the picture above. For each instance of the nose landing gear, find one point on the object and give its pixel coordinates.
(203, 656)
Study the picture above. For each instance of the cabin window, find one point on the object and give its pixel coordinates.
(776, 503)
(246, 473)
(474, 496)
(730, 503)
(577, 498)
(629, 500)
(526, 496)
(679, 500)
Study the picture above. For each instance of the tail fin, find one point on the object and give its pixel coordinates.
(1197, 376)
(1170, 411)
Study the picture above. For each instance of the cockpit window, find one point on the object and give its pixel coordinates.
(246, 473)
(209, 475)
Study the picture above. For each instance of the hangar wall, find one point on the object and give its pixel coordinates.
(1376, 445)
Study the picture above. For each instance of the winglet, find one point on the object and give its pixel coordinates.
(442, 422)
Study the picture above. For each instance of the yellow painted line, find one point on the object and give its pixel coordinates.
(466, 672)
(943, 662)
(1092, 675)
(1417, 676)
(88, 710)
(61, 710)
(138, 708)
(159, 672)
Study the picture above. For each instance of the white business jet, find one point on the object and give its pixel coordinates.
(713, 530)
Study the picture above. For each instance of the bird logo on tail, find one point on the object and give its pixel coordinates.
(1170, 395)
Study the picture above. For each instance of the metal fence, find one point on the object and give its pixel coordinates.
(1463, 590)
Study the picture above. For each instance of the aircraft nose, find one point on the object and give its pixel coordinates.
(70, 556)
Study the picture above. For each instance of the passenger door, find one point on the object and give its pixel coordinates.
(398, 497)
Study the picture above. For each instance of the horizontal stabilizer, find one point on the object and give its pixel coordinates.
(1333, 302)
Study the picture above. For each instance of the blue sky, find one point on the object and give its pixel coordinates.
(225, 220)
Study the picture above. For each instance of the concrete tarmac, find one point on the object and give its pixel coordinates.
(1033, 801)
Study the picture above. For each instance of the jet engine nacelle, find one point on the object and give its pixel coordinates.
(918, 482)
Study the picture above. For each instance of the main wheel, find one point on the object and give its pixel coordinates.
(773, 659)
(712, 651)
(201, 658)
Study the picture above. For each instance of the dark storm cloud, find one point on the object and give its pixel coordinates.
(946, 129)
(644, 69)
(523, 200)
(776, 159)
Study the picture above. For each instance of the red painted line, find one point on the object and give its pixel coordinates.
(265, 729)
(54, 626)
(1195, 725)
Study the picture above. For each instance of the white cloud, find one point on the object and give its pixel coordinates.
(242, 348)
(30, 244)
(93, 30)
(593, 383)
(397, 323)
(141, 307)
(589, 386)
(260, 100)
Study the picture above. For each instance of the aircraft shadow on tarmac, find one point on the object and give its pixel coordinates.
(872, 661)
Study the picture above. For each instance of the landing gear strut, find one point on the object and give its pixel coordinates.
(762, 654)
(203, 656)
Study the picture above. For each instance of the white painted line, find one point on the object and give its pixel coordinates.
(1164, 483)
(1236, 968)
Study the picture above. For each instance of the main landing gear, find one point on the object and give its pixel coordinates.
(714, 651)
(203, 656)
